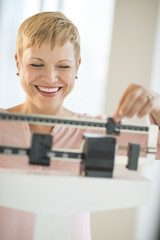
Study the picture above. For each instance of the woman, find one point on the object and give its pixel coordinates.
(48, 60)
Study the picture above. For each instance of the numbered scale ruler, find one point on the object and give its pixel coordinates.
(109, 125)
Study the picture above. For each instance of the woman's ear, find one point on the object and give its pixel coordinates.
(79, 62)
(17, 62)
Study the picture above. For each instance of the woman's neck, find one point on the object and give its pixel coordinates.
(40, 129)
(25, 108)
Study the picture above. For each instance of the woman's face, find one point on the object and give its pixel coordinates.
(47, 76)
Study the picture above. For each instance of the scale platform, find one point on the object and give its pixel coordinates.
(53, 197)
(19, 188)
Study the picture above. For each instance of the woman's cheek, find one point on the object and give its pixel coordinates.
(32, 76)
(69, 79)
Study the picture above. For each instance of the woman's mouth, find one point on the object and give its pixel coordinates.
(48, 91)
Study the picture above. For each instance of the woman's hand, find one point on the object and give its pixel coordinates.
(139, 101)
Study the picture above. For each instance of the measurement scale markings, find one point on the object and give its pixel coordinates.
(53, 120)
(65, 154)
(132, 128)
(14, 150)
(54, 153)
(78, 123)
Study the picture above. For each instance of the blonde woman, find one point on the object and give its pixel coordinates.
(48, 59)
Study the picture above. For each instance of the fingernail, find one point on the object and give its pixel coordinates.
(120, 112)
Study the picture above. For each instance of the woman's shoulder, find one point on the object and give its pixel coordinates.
(3, 110)
(12, 109)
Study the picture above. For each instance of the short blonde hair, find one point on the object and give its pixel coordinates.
(53, 27)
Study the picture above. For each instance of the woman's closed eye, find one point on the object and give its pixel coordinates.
(63, 66)
(37, 65)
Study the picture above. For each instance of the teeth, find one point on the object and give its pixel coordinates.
(49, 90)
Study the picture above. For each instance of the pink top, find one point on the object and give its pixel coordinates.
(21, 224)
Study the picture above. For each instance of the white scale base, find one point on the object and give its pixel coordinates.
(54, 198)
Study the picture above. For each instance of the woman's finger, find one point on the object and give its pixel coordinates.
(129, 98)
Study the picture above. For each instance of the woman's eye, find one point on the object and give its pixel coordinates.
(64, 66)
(37, 65)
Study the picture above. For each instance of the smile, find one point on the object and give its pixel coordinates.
(48, 91)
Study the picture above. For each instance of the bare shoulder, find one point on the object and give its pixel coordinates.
(17, 108)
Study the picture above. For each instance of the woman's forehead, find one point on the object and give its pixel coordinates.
(45, 51)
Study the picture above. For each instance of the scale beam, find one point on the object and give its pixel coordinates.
(108, 125)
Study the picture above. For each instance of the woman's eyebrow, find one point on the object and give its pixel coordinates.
(62, 60)
(40, 59)
(37, 59)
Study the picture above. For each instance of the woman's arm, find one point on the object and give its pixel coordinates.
(156, 116)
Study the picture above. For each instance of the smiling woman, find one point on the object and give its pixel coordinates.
(48, 60)
(97, 79)
(47, 76)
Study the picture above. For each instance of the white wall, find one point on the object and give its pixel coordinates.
(12, 14)
(149, 216)
(132, 48)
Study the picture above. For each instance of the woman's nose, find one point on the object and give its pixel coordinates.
(50, 75)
